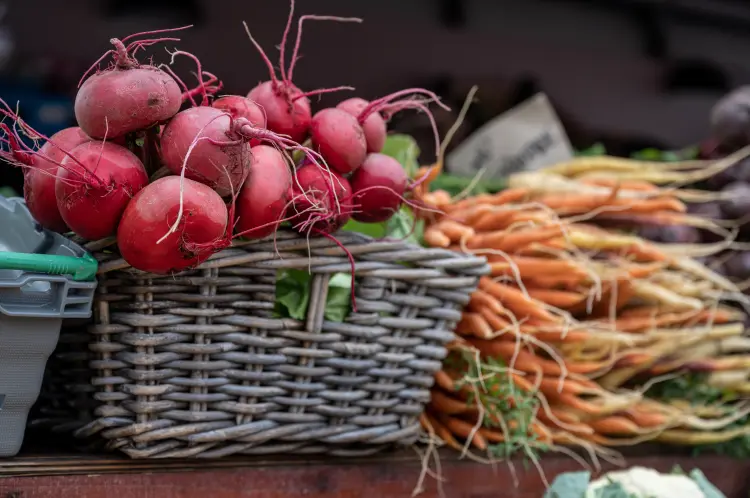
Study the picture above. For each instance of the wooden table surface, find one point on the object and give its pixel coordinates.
(385, 476)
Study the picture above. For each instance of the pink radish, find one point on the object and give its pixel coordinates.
(287, 107)
(40, 172)
(39, 182)
(94, 180)
(339, 135)
(339, 138)
(379, 186)
(374, 125)
(199, 233)
(126, 96)
(202, 140)
(262, 202)
(113, 175)
(320, 200)
(242, 107)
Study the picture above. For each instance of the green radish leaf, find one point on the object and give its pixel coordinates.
(456, 185)
(405, 150)
(292, 294)
(339, 300)
(140, 141)
(598, 149)
(374, 230)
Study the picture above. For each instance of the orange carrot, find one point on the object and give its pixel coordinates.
(442, 403)
(495, 322)
(557, 298)
(513, 241)
(615, 425)
(623, 184)
(441, 431)
(435, 238)
(445, 381)
(473, 324)
(492, 220)
(454, 230)
(530, 267)
(646, 418)
(464, 430)
(514, 300)
(484, 300)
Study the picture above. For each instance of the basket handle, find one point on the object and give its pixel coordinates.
(81, 269)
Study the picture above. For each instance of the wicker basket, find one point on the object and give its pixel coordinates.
(196, 364)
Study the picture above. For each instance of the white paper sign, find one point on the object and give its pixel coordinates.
(527, 137)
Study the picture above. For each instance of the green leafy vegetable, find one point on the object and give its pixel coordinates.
(613, 489)
(293, 295)
(597, 149)
(405, 150)
(694, 389)
(666, 155)
(455, 185)
(569, 485)
(8, 192)
(705, 485)
(339, 300)
(402, 225)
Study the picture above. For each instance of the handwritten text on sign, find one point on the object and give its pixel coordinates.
(528, 137)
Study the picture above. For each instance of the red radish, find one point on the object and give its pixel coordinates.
(262, 202)
(320, 200)
(127, 96)
(379, 185)
(374, 125)
(285, 114)
(201, 138)
(113, 175)
(41, 173)
(242, 107)
(321, 204)
(287, 107)
(200, 231)
(213, 148)
(339, 138)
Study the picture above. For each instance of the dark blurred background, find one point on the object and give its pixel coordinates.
(626, 73)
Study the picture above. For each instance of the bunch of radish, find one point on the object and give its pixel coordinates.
(175, 173)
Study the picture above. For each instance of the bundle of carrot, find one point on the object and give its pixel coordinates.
(560, 345)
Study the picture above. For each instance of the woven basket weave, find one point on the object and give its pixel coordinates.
(196, 364)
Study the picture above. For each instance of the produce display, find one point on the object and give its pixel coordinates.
(614, 311)
(636, 482)
(585, 335)
(175, 174)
